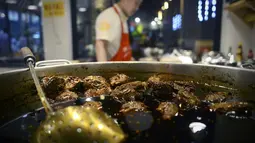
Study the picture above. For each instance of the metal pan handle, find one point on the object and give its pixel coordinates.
(52, 63)
(248, 66)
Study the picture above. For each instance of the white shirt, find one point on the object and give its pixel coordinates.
(108, 27)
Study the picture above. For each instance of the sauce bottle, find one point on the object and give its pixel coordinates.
(250, 54)
(239, 54)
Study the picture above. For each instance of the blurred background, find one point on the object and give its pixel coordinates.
(182, 31)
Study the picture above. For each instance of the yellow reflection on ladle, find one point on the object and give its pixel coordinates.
(77, 124)
(76, 116)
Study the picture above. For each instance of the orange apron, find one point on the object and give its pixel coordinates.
(125, 52)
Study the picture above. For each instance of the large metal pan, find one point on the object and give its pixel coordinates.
(18, 94)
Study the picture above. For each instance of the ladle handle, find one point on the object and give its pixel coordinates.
(30, 61)
(28, 56)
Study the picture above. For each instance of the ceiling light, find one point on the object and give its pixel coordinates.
(206, 18)
(213, 15)
(177, 22)
(214, 2)
(166, 5)
(163, 8)
(159, 22)
(2, 15)
(200, 2)
(207, 2)
(160, 15)
(214, 8)
(82, 9)
(32, 7)
(153, 23)
(137, 20)
(11, 1)
(199, 11)
(206, 12)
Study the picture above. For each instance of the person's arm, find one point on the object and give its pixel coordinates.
(101, 46)
(105, 33)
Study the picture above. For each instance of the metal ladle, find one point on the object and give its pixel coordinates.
(76, 124)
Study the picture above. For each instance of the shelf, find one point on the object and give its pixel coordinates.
(244, 9)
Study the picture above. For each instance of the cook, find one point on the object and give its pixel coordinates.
(112, 36)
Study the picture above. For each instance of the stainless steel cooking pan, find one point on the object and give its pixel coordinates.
(18, 94)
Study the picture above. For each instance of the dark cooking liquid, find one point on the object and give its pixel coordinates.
(208, 127)
(194, 126)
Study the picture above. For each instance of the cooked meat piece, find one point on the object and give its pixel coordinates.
(95, 86)
(93, 104)
(129, 91)
(133, 106)
(97, 92)
(66, 96)
(168, 110)
(229, 106)
(119, 79)
(160, 80)
(216, 97)
(162, 77)
(184, 85)
(187, 100)
(74, 83)
(53, 86)
(161, 85)
(95, 82)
